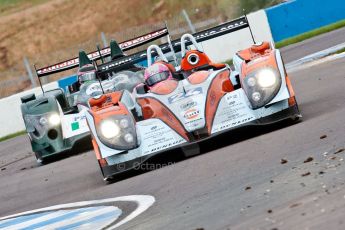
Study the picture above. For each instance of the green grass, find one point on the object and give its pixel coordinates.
(310, 34)
(229, 62)
(340, 51)
(12, 135)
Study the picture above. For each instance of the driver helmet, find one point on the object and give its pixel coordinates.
(86, 73)
(156, 73)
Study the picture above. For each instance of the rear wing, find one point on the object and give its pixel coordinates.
(105, 52)
(225, 28)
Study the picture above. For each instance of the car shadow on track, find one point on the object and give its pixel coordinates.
(174, 156)
(79, 148)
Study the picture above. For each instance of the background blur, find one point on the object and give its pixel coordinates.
(49, 31)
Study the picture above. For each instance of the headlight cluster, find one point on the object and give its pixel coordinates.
(39, 124)
(262, 86)
(117, 132)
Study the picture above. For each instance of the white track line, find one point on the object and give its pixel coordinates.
(36, 220)
(143, 202)
(86, 216)
(315, 57)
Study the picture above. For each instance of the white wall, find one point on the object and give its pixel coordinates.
(11, 120)
(223, 48)
(219, 49)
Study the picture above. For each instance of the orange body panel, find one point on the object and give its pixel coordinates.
(152, 108)
(204, 60)
(255, 51)
(219, 87)
(198, 77)
(106, 100)
(96, 148)
(292, 99)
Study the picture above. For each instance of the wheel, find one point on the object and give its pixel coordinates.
(297, 116)
(39, 159)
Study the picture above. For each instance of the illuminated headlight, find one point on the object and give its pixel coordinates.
(39, 125)
(261, 86)
(117, 132)
(266, 78)
(54, 119)
(109, 129)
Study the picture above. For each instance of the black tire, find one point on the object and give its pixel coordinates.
(297, 117)
(40, 161)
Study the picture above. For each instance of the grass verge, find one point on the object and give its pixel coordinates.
(310, 34)
(12, 135)
(340, 51)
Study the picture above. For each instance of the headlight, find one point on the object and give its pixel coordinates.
(38, 125)
(256, 96)
(117, 132)
(266, 78)
(43, 121)
(54, 119)
(261, 86)
(109, 129)
(129, 138)
(124, 123)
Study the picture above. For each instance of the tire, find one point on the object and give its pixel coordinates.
(297, 117)
(40, 161)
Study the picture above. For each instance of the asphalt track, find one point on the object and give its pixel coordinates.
(238, 182)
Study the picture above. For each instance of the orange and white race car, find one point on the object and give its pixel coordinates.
(202, 100)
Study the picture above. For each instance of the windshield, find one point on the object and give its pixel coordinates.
(88, 76)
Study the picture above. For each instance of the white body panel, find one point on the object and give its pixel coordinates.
(74, 124)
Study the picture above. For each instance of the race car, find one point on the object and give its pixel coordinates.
(54, 125)
(203, 100)
(55, 120)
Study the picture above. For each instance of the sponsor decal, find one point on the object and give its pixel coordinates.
(75, 126)
(76, 122)
(157, 137)
(191, 114)
(234, 124)
(117, 63)
(182, 95)
(188, 105)
(167, 145)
